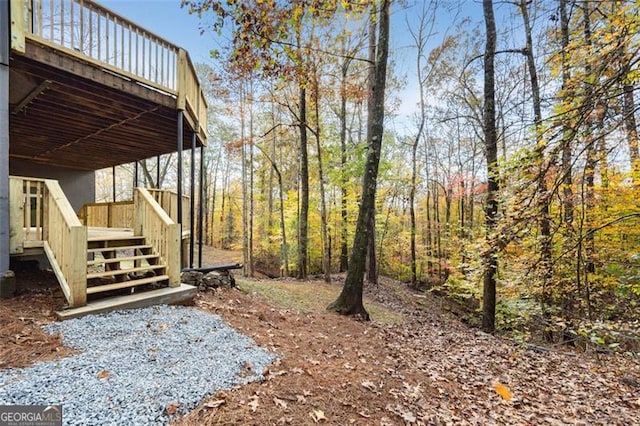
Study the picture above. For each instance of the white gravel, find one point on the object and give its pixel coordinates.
(133, 363)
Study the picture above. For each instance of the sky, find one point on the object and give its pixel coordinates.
(167, 19)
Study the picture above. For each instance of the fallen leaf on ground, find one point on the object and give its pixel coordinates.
(280, 402)
(214, 404)
(103, 374)
(503, 391)
(253, 405)
(172, 408)
(317, 415)
(368, 384)
(408, 417)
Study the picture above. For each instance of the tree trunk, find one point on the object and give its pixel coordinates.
(437, 226)
(631, 128)
(344, 251)
(420, 38)
(412, 210)
(303, 224)
(245, 183)
(567, 136)
(225, 184)
(270, 201)
(590, 165)
(428, 242)
(590, 162)
(491, 148)
(210, 225)
(284, 250)
(349, 301)
(324, 229)
(372, 257)
(251, 266)
(546, 263)
(371, 268)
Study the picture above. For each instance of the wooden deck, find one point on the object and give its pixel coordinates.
(97, 261)
(93, 233)
(90, 89)
(99, 233)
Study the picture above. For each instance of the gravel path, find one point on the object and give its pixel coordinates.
(132, 364)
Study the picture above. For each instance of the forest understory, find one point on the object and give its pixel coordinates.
(416, 362)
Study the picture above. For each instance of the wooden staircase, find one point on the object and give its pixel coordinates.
(125, 272)
(123, 262)
(99, 268)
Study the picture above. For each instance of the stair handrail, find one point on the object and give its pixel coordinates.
(168, 199)
(66, 239)
(159, 230)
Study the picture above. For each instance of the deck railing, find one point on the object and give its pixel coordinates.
(190, 96)
(152, 222)
(168, 200)
(26, 212)
(120, 214)
(41, 214)
(86, 30)
(117, 214)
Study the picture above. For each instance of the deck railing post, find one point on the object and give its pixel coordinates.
(5, 276)
(192, 201)
(200, 201)
(180, 146)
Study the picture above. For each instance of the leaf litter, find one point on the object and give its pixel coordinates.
(430, 369)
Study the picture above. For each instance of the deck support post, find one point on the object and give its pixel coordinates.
(179, 177)
(158, 172)
(6, 277)
(135, 177)
(192, 200)
(113, 183)
(200, 205)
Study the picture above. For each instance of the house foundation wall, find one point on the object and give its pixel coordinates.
(78, 185)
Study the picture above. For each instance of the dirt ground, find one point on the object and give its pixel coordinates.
(430, 369)
(22, 339)
(425, 368)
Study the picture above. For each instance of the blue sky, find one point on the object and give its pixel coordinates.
(167, 19)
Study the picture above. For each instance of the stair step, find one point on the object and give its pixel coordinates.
(121, 259)
(124, 271)
(115, 238)
(130, 247)
(126, 284)
(168, 295)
